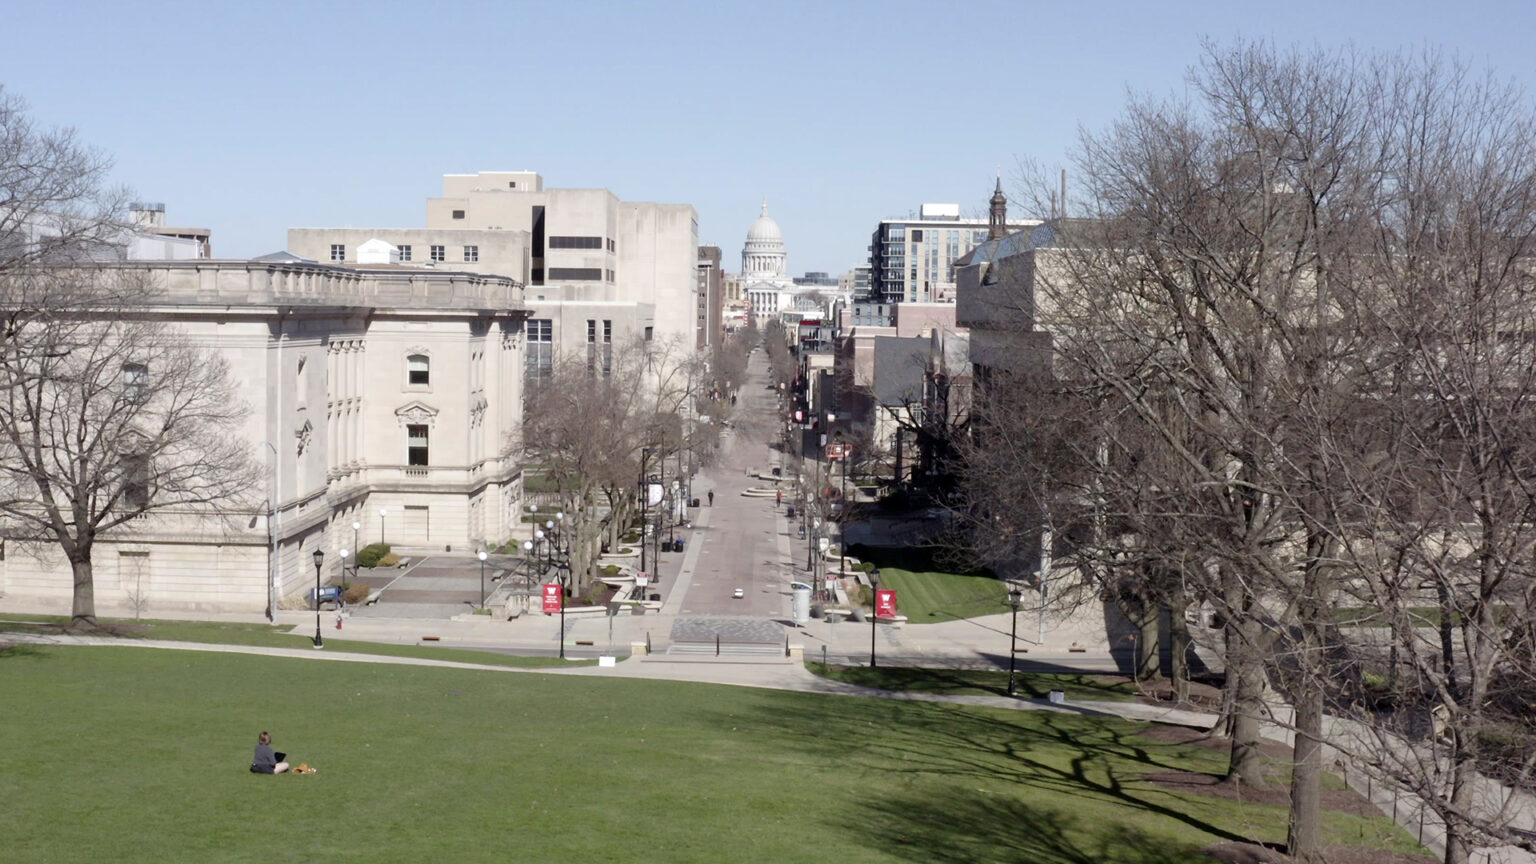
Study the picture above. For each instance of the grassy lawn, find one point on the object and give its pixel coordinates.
(269, 636)
(980, 682)
(928, 597)
(928, 594)
(136, 755)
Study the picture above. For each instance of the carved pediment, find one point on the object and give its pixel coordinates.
(416, 413)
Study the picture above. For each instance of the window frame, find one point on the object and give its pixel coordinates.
(425, 370)
(414, 451)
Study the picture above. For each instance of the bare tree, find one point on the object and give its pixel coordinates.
(589, 429)
(1291, 358)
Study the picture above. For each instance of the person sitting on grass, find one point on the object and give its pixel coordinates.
(266, 761)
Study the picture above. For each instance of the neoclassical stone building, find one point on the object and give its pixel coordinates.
(386, 390)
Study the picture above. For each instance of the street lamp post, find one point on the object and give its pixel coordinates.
(343, 553)
(528, 560)
(482, 556)
(874, 590)
(356, 527)
(1014, 596)
(382, 513)
(549, 548)
(562, 617)
(319, 558)
(645, 503)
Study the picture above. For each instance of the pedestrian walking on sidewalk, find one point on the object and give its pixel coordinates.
(711, 497)
(778, 498)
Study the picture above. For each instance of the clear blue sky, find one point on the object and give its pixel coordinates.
(249, 118)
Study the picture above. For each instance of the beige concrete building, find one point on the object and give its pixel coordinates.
(378, 395)
(598, 269)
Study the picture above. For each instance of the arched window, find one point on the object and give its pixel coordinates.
(418, 370)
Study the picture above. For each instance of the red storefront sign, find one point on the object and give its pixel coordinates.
(885, 603)
(552, 597)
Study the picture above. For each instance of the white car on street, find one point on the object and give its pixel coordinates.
(738, 594)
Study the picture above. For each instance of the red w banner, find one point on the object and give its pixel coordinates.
(885, 603)
(552, 597)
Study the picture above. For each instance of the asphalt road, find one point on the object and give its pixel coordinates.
(742, 539)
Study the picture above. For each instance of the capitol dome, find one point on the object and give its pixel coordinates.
(764, 253)
(765, 230)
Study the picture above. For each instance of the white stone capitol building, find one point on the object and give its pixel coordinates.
(765, 275)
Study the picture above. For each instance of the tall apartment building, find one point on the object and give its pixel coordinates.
(597, 268)
(913, 260)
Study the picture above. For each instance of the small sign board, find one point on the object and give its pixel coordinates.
(840, 450)
(642, 579)
(552, 597)
(885, 603)
(327, 592)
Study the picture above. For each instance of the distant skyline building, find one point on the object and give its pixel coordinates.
(913, 260)
(599, 270)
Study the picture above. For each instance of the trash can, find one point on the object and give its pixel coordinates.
(677, 545)
(790, 511)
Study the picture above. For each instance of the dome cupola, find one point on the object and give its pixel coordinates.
(764, 253)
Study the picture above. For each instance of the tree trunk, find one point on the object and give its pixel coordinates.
(1304, 839)
(85, 593)
(1458, 847)
(1245, 687)
(1178, 628)
(1147, 648)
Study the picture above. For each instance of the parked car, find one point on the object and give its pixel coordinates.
(738, 594)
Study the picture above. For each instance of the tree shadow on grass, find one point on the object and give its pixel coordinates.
(972, 830)
(21, 652)
(1064, 755)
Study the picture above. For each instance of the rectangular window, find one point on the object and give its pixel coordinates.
(607, 331)
(438, 254)
(540, 357)
(575, 274)
(575, 242)
(135, 382)
(917, 235)
(471, 253)
(591, 331)
(511, 184)
(338, 252)
(136, 482)
(405, 252)
(458, 214)
(611, 247)
(416, 444)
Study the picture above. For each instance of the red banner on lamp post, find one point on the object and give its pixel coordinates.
(885, 603)
(551, 597)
